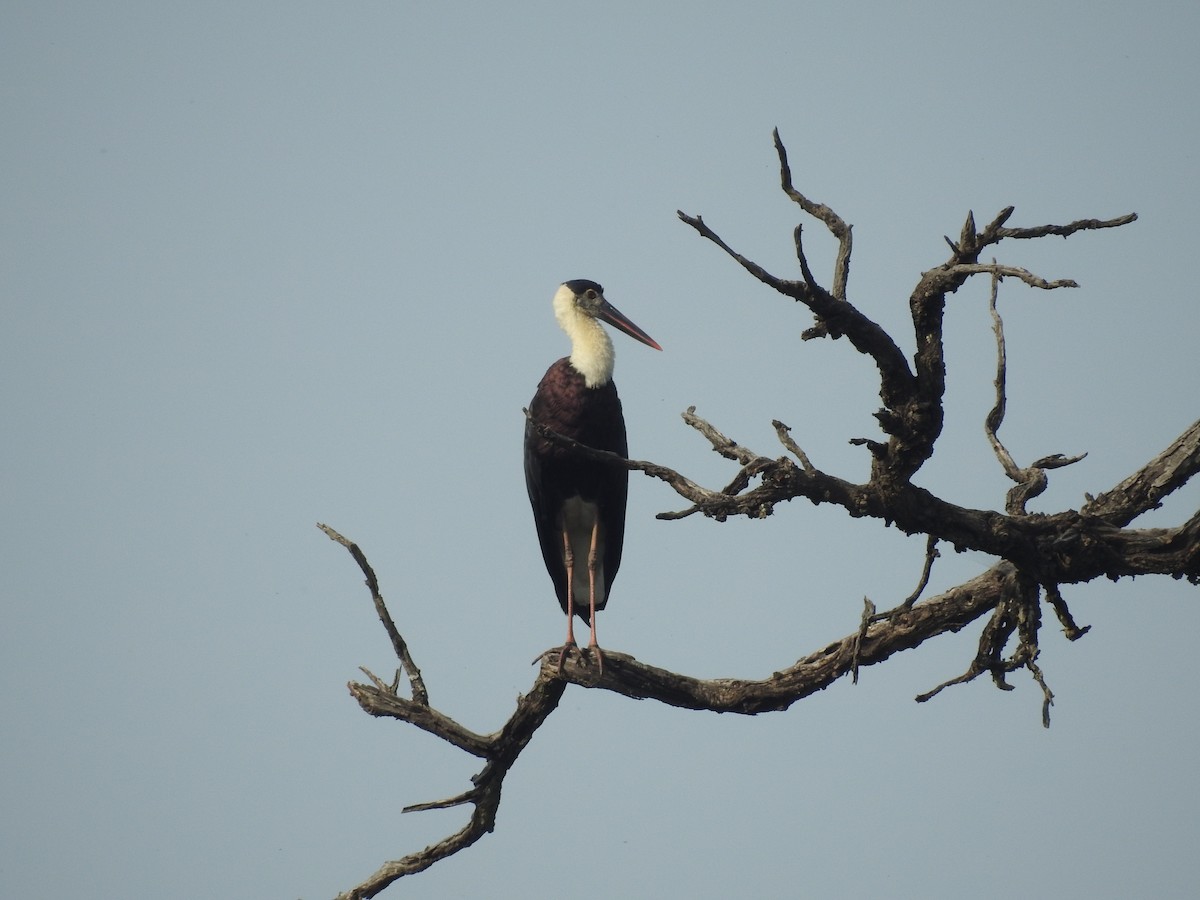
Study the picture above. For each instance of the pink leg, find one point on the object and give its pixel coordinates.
(569, 562)
(592, 561)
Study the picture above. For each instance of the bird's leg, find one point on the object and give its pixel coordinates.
(569, 562)
(592, 561)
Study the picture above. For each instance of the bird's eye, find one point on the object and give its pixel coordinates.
(591, 295)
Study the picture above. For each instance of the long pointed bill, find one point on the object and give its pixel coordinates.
(617, 319)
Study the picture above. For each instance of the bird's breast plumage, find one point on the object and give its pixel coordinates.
(566, 405)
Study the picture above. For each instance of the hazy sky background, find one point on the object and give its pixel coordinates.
(270, 264)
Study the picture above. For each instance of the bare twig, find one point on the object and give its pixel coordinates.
(1059, 605)
(995, 418)
(973, 672)
(784, 287)
(931, 553)
(785, 437)
(972, 243)
(1067, 230)
(1047, 694)
(419, 694)
(837, 227)
(955, 271)
(802, 259)
(1032, 481)
(729, 449)
(868, 617)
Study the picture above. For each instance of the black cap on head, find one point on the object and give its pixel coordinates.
(581, 285)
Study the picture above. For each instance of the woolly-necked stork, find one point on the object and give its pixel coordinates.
(578, 504)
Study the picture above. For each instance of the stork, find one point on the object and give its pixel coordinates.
(579, 504)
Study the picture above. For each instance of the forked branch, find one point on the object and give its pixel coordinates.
(500, 749)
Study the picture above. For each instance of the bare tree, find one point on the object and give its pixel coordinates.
(1035, 553)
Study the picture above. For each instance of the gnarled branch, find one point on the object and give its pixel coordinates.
(500, 749)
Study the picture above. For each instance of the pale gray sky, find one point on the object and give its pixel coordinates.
(270, 264)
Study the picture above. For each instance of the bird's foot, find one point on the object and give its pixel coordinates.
(593, 651)
(594, 648)
(563, 652)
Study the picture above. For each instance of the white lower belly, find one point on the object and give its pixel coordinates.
(579, 521)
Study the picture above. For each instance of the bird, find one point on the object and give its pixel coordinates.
(579, 504)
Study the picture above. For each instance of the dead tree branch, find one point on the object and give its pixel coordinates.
(1031, 481)
(1068, 547)
(500, 749)
(623, 674)
(1146, 488)
(1036, 554)
(838, 228)
(420, 695)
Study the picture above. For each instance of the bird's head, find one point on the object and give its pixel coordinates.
(582, 298)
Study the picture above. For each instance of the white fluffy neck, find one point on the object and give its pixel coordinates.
(592, 353)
